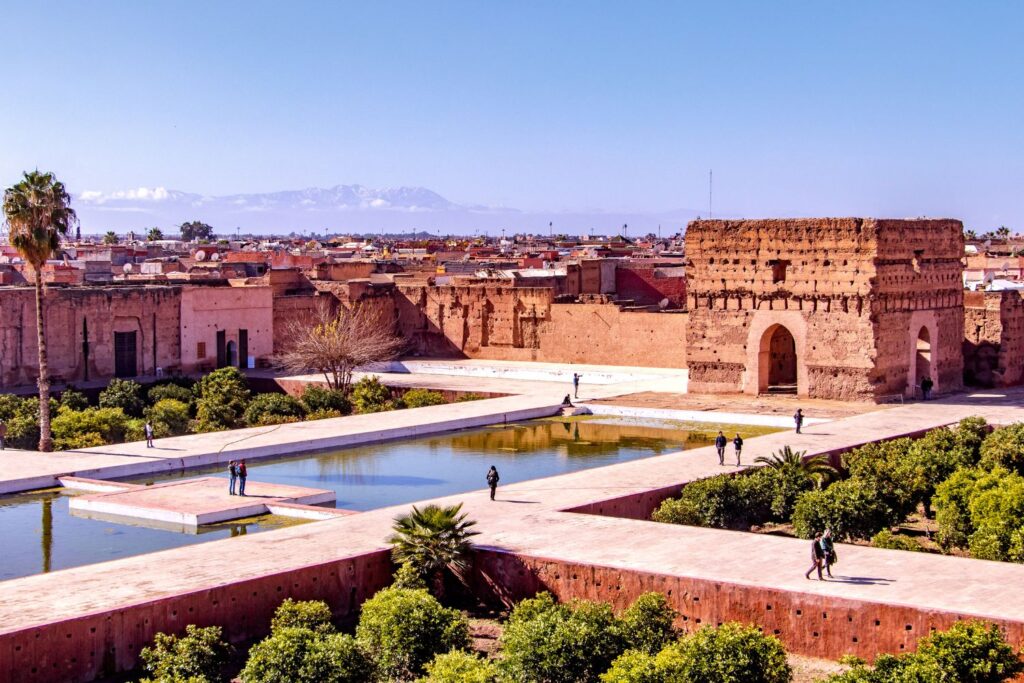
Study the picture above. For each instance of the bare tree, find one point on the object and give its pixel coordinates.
(337, 342)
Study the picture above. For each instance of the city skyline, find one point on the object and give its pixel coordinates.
(537, 110)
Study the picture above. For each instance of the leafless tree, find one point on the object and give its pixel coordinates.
(336, 342)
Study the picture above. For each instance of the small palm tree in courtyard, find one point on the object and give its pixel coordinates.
(816, 467)
(432, 540)
(38, 212)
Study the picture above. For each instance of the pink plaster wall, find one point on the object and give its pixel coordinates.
(205, 310)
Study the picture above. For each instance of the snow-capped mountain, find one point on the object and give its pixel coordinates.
(336, 209)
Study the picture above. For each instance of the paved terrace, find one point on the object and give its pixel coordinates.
(737, 574)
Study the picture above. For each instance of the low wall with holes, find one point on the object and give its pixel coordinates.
(101, 644)
(817, 626)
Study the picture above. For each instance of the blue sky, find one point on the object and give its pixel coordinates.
(853, 108)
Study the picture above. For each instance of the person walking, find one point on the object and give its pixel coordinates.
(147, 429)
(242, 474)
(815, 558)
(798, 418)
(926, 387)
(720, 442)
(492, 480)
(828, 552)
(576, 384)
(233, 476)
(3, 435)
(738, 443)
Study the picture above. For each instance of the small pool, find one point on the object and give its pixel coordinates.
(40, 533)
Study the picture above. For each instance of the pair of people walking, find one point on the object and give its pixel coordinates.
(823, 555)
(721, 442)
(237, 472)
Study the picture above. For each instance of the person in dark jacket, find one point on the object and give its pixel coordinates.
(720, 442)
(233, 476)
(738, 444)
(798, 418)
(576, 384)
(815, 558)
(926, 387)
(828, 552)
(243, 472)
(492, 480)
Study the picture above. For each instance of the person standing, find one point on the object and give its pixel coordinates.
(798, 418)
(720, 442)
(576, 384)
(3, 435)
(233, 476)
(492, 480)
(926, 387)
(738, 444)
(147, 429)
(828, 552)
(815, 557)
(242, 474)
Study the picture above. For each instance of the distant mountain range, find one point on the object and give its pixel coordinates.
(345, 208)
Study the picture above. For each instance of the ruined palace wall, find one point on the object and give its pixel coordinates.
(523, 324)
(993, 340)
(207, 310)
(77, 314)
(854, 293)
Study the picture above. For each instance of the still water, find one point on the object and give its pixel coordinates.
(40, 534)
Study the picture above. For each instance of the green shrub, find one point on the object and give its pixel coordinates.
(10, 405)
(408, 576)
(634, 666)
(318, 399)
(463, 398)
(314, 615)
(78, 441)
(1005, 447)
(69, 426)
(997, 515)
(223, 397)
(460, 667)
(273, 409)
(323, 415)
(176, 392)
(647, 624)
(23, 432)
(124, 394)
(970, 435)
(850, 508)
(887, 539)
(969, 652)
(403, 629)
(418, 398)
(952, 503)
(335, 658)
(560, 643)
(722, 502)
(198, 655)
(887, 468)
(725, 654)
(786, 486)
(169, 417)
(369, 395)
(938, 454)
(281, 657)
(70, 399)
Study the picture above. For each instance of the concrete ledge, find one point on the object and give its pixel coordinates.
(698, 415)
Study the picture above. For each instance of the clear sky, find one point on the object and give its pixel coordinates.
(801, 108)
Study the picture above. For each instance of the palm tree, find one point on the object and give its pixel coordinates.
(154, 235)
(110, 237)
(970, 235)
(38, 212)
(815, 467)
(433, 539)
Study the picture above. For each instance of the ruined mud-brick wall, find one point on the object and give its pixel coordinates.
(993, 345)
(649, 283)
(81, 322)
(523, 323)
(848, 290)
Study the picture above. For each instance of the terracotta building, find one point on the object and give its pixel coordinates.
(843, 308)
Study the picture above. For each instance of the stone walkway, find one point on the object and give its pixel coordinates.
(528, 518)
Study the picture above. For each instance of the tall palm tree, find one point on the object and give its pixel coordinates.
(154, 235)
(816, 467)
(432, 540)
(38, 212)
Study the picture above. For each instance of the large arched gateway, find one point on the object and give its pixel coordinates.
(777, 367)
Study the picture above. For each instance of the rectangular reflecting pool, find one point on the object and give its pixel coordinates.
(40, 533)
